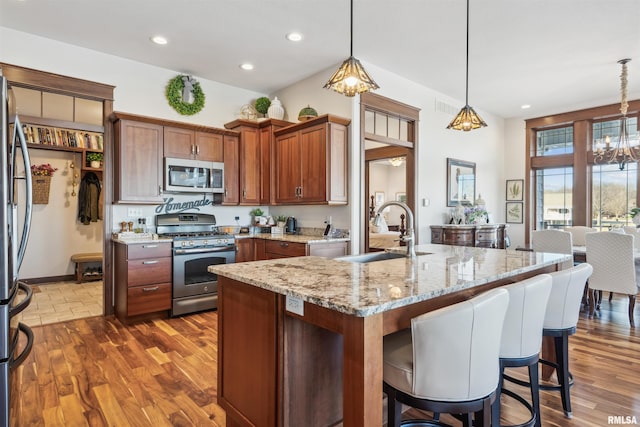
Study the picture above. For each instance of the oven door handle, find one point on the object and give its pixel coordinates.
(203, 250)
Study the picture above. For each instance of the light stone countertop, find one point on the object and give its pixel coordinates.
(371, 288)
(295, 238)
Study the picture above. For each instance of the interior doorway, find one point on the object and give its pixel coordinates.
(389, 139)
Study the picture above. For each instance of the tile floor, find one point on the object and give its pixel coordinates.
(58, 302)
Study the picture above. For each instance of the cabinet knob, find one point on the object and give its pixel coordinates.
(160, 189)
(193, 149)
(197, 149)
(149, 246)
(155, 261)
(244, 194)
(151, 289)
(284, 245)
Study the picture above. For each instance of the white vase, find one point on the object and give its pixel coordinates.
(276, 110)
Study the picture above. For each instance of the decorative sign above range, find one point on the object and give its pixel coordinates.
(170, 205)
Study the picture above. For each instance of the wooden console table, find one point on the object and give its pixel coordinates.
(478, 235)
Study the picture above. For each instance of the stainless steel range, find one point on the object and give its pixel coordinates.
(197, 244)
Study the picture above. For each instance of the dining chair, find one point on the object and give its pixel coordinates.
(635, 232)
(614, 268)
(553, 241)
(578, 233)
(448, 362)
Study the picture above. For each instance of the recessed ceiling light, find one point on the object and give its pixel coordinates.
(246, 66)
(525, 106)
(159, 40)
(294, 37)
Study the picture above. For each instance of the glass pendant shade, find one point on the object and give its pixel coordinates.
(466, 120)
(351, 78)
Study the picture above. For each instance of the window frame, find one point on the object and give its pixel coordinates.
(581, 159)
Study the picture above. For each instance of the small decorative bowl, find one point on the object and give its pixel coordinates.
(307, 113)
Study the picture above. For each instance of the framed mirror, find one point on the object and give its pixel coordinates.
(461, 182)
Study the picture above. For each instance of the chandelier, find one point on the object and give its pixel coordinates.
(351, 77)
(622, 152)
(396, 161)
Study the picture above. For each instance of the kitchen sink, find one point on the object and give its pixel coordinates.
(371, 257)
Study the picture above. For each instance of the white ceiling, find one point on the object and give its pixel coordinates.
(556, 55)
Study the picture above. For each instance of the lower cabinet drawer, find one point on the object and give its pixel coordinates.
(147, 271)
(286, 249)
(148, 299)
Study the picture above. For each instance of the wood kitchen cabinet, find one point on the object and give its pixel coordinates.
(192, 144)
(142, 280)
(231, 195)
(245, 249)
(137, 161)
(310, 161)
(255, 174)
(257, 249)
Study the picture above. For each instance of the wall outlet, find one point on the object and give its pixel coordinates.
(134, 212)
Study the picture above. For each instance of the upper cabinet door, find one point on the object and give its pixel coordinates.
(209, 147)
(179, 143)
(231, 194)
(250, 168)
(287, 165)
(138, 162)
(313, 179)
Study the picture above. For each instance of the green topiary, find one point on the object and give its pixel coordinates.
(262, 104)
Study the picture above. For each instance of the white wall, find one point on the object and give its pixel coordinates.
(514, 168)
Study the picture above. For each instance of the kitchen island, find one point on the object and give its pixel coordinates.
(300, 339)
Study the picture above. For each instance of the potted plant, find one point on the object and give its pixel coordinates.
(262, 105)
(281, 220)
(257, 214)
(95, 159)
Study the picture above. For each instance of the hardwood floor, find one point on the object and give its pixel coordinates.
(97, 372)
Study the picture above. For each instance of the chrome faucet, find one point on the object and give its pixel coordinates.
(410, 237)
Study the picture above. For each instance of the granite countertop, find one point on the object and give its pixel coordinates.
(295, 238)
(134, 241)
(371, 288)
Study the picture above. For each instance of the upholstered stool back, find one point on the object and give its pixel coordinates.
(564, 303)
(522, 331)
(452, 353)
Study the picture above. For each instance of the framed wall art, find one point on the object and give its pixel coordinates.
(515, 190)
(379, 197)
(461, 182)
(514, 212)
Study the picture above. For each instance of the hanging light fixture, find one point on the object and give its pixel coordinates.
(351, 78)
(396, 161)
(467, 118)
(623, 152)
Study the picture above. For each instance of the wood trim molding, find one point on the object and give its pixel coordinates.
(50, 82)
(390, 106)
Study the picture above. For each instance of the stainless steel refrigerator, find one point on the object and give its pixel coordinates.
(15, 295)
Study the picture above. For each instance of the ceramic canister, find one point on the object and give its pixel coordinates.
(276, 110)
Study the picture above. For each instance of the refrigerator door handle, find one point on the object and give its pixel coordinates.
(17, 132)
(17, 361)
(17, 309)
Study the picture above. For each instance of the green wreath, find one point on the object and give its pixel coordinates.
(174, 96)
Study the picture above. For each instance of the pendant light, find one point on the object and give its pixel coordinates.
(351, 78)
(467, 119)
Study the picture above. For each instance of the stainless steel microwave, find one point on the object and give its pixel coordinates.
(193, 176)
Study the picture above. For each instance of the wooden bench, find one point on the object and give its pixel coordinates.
(81, 260)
